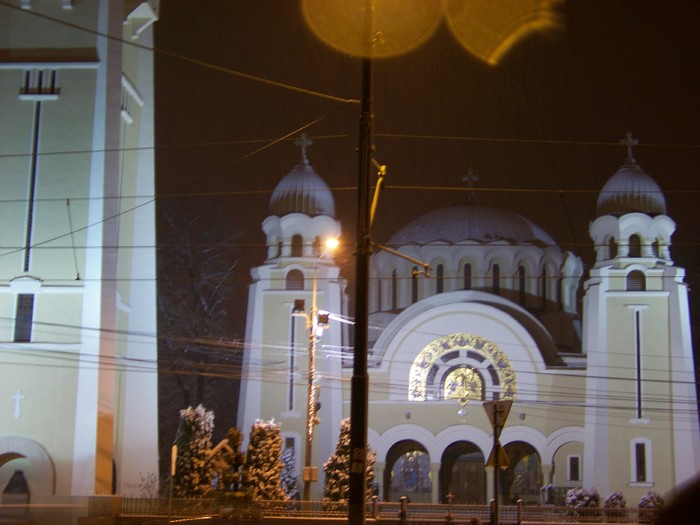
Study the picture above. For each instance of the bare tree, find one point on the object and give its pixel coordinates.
(198, 354)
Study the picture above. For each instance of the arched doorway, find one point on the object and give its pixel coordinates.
(523, 477)
(28, 456)
(462, 473)
(407, 473)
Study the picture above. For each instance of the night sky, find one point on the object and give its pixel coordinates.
(541, 129)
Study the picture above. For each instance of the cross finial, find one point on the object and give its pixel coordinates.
(304, 142)
(470, 178)
(629, 141)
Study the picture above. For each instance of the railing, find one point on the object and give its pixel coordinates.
(388, 512)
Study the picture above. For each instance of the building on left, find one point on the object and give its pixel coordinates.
(78, 396)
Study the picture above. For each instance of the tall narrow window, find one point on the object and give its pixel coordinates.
(543, 290)
(612, 248)
(574, 468)
(635, 246)
(439, 278)
(414, 285)
(467, 276)
(496, 279)
(24, 317)
(297, 246)
(317, 247)
(640, 460)
(294, 280)
(521, 285)
(394, 291)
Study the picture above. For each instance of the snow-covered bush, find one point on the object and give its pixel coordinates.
(264, 465)
(651, 500)
(650, 505)
(337, 468)
(194, 473)
(615, 500)
(579, 497)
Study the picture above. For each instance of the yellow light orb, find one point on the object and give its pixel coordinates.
(332, 243)
(397, 26)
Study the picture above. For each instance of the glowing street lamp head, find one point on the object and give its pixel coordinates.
(332, 243)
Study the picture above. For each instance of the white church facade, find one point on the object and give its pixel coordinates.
(601, 398)
(78, 411)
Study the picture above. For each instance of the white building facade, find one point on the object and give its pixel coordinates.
(602, 398)
(77, 248)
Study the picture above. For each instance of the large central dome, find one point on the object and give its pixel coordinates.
(471, 222)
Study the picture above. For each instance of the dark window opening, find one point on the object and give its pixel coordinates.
(24, 317)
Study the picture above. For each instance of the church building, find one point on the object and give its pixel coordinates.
(602, 397)
(78, 410)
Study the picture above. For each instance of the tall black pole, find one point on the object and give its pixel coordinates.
(360, 378)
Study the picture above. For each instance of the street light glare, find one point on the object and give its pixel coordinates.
(332, 243)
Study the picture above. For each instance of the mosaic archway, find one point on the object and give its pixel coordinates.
(408, 473)
(461, 366)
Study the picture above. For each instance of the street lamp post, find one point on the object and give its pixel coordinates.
(315, 324)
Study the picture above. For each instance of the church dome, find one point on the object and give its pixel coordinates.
(630, 189)
(302, 190)
(471, 222)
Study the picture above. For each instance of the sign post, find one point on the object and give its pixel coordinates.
(497, 412)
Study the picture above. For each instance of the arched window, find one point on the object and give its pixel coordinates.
(655, 248)
(467, 276)
(636, 281)
(279, 248)
(414, 285)
(521, 285)
(635, 246)
(297, 245)
(294, 280)
(317, 247)
(496, 279)
(439, 278)
(612, 248)
(543, 289)
(394, 290)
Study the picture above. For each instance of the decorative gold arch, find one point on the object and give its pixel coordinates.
(425, 359)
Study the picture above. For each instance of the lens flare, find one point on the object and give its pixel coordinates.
(397, 26)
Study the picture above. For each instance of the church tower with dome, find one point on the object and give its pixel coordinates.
(603, 397)
(276, 361)
(641, 399)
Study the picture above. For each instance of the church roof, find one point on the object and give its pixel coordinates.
(302, 190)
(630, 190)
(471, 222)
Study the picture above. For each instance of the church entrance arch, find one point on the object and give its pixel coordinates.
(19, 453)
(523, 477)
(462, 473)
(407, 473)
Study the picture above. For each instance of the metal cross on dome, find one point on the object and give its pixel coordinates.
(629, 141)
(470, 178)
(304, 142)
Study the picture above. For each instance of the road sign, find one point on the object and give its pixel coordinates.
(497, 411)
(502, 458)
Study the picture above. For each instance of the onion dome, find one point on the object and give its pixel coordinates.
(630, 189)
(471, 222)
(302, 190)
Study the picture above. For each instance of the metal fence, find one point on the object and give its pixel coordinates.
(388, 512)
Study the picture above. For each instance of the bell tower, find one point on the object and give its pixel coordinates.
(641, 406)
(294, 306)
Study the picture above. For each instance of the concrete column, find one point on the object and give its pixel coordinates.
(379, 467)
(489, 484)
(435, 478)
